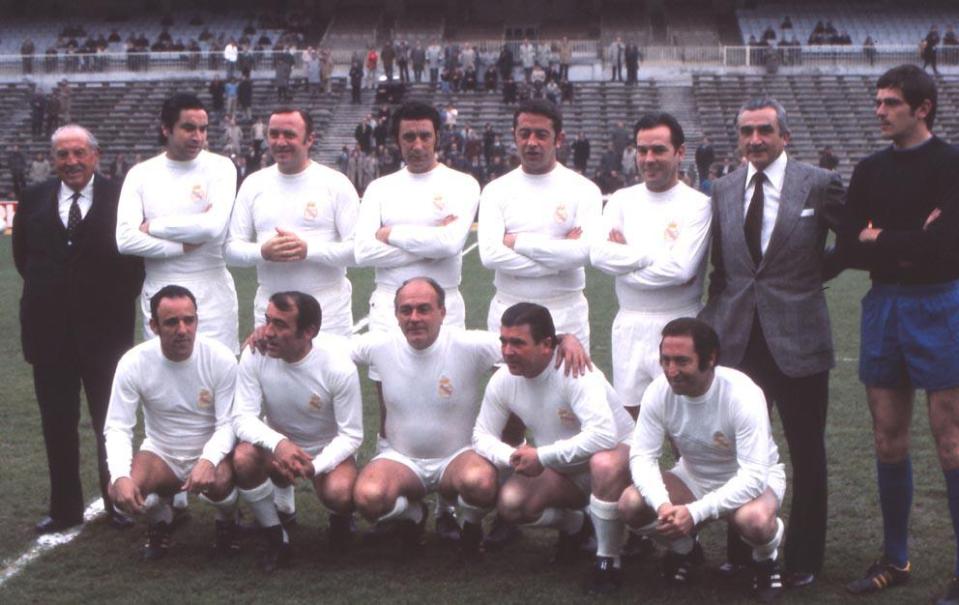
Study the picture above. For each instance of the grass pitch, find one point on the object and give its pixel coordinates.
(103, 564)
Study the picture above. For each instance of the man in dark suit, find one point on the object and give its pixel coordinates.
(766, 301)
(77, 311)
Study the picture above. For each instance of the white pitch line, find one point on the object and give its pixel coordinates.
(48, 542)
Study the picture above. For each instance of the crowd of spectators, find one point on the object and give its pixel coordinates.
(75, 49)
(520, 71)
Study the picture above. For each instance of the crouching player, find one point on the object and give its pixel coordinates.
(309, 392)
(580, 429)
(729, 464)
(185, 384)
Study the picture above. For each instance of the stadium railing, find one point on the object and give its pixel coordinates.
(584, 52)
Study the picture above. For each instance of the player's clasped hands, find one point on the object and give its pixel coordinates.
(525, 461)
(291, 461)
(674, 521)
(283, 247)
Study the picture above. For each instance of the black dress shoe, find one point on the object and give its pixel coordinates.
(120, 520)
(798, 579)
(49, 525)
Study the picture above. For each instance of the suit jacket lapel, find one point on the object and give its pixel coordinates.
(795, 191)
(735, 217)
(51, 209)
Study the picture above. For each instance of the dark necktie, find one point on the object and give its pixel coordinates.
(74, 218)
(754, 219)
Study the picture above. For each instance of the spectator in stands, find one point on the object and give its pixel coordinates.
(26, 53)
(17, 164)
(565, 51)
(768, 34)
(233, 135)
(311, 66)
(632, 57)
(326, 70)
(380, 132)
(284, 67)
(52, 111)
(580, 149)
(505, 63)
(230, 56)
(403, 61)
(619, 137)
(786, 24)
(217, 93)
(614, 56)
(929, 52)
(356, 82)
(527, 58)
(39, 169)
(38, 106)
(705, 156)
(343, 159)
(434, 58)
(950, 47)
(869, 50)
(118, 168)
(828, 159)
(388, 56)
(418, 57)
(496, 169)
(231, 90)
(469, 79)
(363, 134)
(372, 61)
(509, 90)
(244, 96)
(628, 164)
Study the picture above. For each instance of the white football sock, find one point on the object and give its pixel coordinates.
(225, 508)
(260, 501)
(610, 528)
(157, 509)
(770, 550)
(566, 520)
(444, 504)
(470, 513)
(682, 546)
(404, 510)
(284, 498)
(180, 500)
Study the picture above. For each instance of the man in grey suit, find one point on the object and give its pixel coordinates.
(766, 301)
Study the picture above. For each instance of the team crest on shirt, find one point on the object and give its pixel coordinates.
(204, 399)
(198, 193)
(561, 213)
(567, 417)
(310, 212)
(445, 387)
(721, 440)
(671, 234)
(438, 202)
(315, 402)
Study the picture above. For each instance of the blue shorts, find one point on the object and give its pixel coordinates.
(910, 336)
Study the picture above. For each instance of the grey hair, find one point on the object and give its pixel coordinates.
(63, 130)
(763, 103)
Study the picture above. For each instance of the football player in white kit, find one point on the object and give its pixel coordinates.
(579, 428)
(654, 241)
(298, 414)
(173, 211)
(415, 221)
(535, 223)
(294, 221)
(185, 382)
(728, 467)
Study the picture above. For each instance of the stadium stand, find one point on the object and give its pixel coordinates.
(902, 24)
